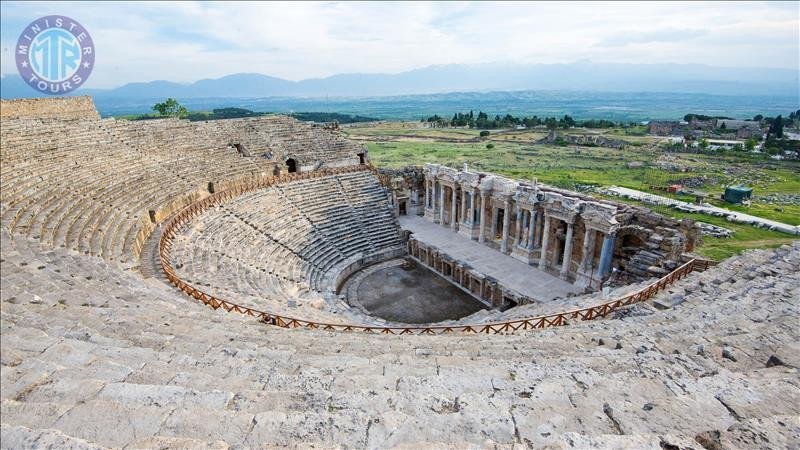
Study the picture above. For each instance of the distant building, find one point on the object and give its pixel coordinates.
(732, 125)
(697, 124)
(664, 128)
(726, 144)
(744, 129)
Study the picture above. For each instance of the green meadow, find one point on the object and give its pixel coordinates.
(518, 154)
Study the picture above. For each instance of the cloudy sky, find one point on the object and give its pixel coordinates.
(186, 41)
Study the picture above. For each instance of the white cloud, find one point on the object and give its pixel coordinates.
(186, 41)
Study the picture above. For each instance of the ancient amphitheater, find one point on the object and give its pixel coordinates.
(256, 283)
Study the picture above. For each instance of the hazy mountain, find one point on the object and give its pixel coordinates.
(579, 76)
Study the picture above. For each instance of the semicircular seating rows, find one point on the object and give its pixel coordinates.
(288, 242)
(94, 356)
(89, 185)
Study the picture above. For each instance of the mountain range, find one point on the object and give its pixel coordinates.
(578, 76)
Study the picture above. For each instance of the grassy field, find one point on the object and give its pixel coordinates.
(518, 155)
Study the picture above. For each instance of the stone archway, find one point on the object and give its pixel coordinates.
(630, 239)
(291, 164)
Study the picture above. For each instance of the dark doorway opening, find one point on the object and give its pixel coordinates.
(508, 303)
(560, 251)
(292, 165)
(361, 158)
(499, 225)
(403, 208)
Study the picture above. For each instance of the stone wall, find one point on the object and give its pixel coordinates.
(579, 238)
(68, 108)
(481, 286)
(406, 187)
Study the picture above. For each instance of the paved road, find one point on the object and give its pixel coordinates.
(514, 274)
(704, 209)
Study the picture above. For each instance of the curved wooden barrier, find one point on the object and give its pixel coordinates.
(183, 217)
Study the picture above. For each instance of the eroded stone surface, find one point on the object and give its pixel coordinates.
(130, 363)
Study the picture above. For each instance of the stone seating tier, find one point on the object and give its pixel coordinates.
(287, 243)
(88, 185)
(97, 357)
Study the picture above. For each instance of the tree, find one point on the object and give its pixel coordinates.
(485, 133)
(170, 108)
(750, 145)
(738, 147)
(776, 128)
(703, 144)
(489, 146)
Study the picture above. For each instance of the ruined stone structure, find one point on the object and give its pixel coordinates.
(666, 128)
(100, 186)
(574, 236)
(112, 231)
(64, 108)
(584, 139)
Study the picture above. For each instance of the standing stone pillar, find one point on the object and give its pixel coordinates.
(567, 259)
(588, 249)
(441, 204)
(453, 211)
(532, 224)
(606, 255)
(493, 230)
(471, 218)
(545, 238)
(427, 193)
(519, 227)
(433, 194)
(506, 224)
(540, 221)
(463, 217)
(482, 213)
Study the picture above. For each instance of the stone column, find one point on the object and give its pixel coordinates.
(540, 220)
(453, 211)
(463, 217)
(471, 220)
(493, 228)
(567, 259)
(441, 204)
(519, 227)
(481, 213)
(427, 193)
(588, 249)
(506, 224)
(544, 239)
(532, 224)
(606, 256)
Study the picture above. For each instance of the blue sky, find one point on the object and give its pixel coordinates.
(187, 41)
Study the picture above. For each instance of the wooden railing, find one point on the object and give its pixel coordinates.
(183, 217)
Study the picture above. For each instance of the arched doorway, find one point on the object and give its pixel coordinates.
(292, 165)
